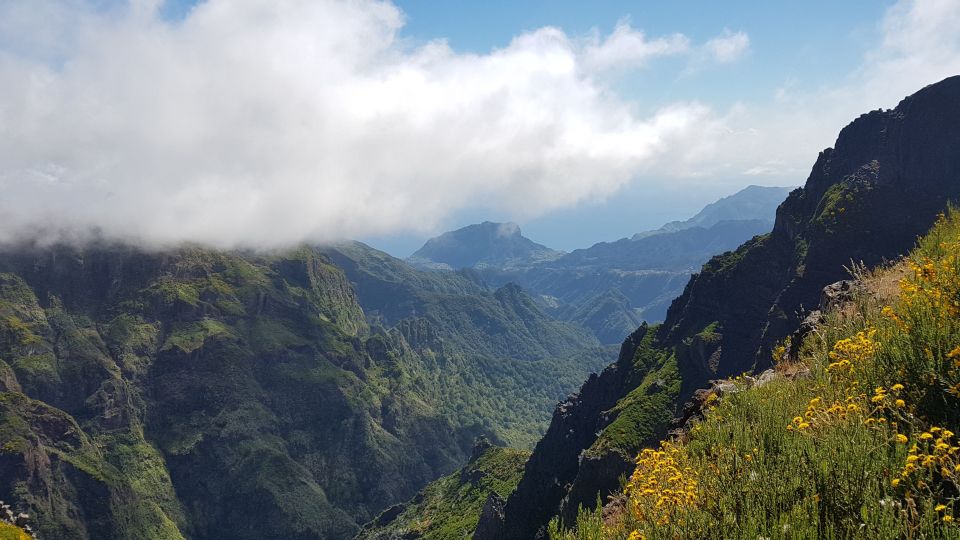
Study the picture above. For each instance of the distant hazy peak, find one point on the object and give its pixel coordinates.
(482, 244)
(750, 203)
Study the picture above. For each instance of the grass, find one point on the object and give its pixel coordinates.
(190, 336)
(865, 446)
(450, 507)
(641, 414)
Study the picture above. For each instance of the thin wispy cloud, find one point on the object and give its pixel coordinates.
(728, 47)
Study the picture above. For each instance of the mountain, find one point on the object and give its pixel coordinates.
(610, 287)
(194, 393)
(484, 244)
(497, 340)
(751, 202)
(867, 199)
(449, 508)
(835, 441)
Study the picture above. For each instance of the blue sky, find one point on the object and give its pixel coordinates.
(265, 124)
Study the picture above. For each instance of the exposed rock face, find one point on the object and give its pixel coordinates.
(451, 506)
(555, 462)
(866, 200)
(490, 518)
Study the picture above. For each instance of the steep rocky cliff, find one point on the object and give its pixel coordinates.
(867, 199)
(448, 508)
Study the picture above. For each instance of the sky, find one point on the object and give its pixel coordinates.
(263, 124)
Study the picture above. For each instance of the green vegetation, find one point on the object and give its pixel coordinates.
(207, 395)
(642, 413)
(189, 337)
(12, 532)
(493, 362)
(449, 508)
(858, 440)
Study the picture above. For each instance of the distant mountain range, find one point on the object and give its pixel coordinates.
(610, 287)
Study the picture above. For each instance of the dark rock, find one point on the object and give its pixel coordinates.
(838, 293)
(555, 462)
(491, 518)
(481, 445)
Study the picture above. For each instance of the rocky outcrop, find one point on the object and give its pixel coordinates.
(19, 520)
(491, 518)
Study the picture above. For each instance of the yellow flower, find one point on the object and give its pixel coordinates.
(803, 425)
(925, 436)
(895, 482)
(900, 403)
(901, 438)
(940, 508)
(948, 519)
(897, 387)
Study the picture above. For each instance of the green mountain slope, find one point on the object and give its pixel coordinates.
(502, 363)
(201, 394)
(852, 435)
(448, 508)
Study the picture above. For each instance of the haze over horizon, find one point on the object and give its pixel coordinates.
(250, 124)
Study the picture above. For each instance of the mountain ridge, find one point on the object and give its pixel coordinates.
(610, 287)
(867, 199)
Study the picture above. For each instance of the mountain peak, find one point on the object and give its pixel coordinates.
(750, 203)
(483, 244)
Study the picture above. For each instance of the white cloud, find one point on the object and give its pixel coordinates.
(777, 141)
(628, 48)
(728, 46)
(269, 123)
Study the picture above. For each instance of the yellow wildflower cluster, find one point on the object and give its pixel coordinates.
(954, 357)
(891, 314)
(934, 284)
(851, 352)
(819, 414)
(662, 486)
(883, 399)
(933, 459)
